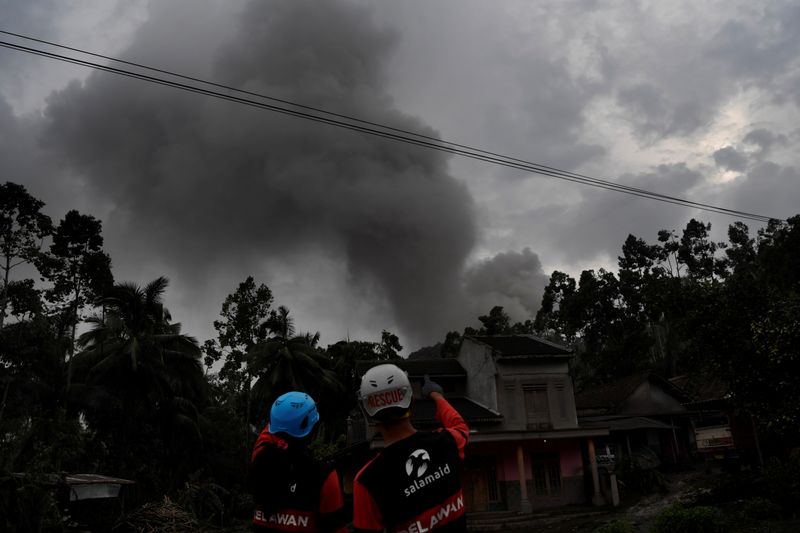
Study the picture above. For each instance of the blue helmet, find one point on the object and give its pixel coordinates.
(294, 413)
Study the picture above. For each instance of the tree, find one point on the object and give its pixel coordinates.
(751, 342)
(140, 384)
(23, 229)
(31, 365)
(286, 362)
(389, 347)
(698, 252)
(496, 322)
(344, 355)
(79, 270)
(742, 250)
(779, 254)
(451, 344)
(240, 329)
(555, 315)
(769, 386)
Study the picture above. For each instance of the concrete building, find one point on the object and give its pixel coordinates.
(526, 450)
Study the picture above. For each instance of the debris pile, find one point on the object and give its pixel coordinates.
(161, 517)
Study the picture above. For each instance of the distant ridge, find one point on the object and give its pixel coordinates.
(427, 352)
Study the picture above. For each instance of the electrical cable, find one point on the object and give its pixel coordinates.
(362, 126)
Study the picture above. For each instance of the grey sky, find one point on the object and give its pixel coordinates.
(357, 234)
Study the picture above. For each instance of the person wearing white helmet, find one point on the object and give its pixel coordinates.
(414, 484)
(292, 491)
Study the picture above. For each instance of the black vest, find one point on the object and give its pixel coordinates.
(416, 484)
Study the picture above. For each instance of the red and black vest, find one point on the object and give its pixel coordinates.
(414, 485)
(292, 491)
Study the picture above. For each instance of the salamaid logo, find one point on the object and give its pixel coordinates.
(417, 468)
(417, 462)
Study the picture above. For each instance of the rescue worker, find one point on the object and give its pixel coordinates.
(293, 491)
(414, 484)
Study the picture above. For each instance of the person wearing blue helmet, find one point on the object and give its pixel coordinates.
(293, 491)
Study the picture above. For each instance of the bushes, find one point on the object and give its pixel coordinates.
(757, 510)
(689, 520)
(639, 472)
(28, 503)
(781, 481)
(617, 526)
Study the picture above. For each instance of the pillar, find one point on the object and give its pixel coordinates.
(597, 499)
(525, 503)
(614, 490)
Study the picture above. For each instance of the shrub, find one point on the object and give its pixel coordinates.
(758, 509)
(639, 472)
(617, 526)
(206, 502)
(689, 520)
(28, 503)
(781, 480)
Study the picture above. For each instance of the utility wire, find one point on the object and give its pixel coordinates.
(360, 125)
(447, 147)
(539, 167)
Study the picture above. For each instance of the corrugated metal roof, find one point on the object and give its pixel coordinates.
(93, 479)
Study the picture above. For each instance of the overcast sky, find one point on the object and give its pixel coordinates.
(357, 234)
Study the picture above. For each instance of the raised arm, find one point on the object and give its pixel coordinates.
(452, 421)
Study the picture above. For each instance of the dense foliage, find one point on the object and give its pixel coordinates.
(133, 396)
(685, 305)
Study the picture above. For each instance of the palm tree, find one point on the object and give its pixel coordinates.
(286, 362)
(138, 375)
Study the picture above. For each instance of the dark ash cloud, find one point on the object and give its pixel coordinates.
(207, 184)
(514, 280)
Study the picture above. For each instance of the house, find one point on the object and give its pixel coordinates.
(719, 431)
(644, 413)
(527, 449)
(679, 419)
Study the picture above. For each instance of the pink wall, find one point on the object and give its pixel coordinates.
(569, 452)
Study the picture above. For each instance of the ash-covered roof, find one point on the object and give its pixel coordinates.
(701, 389)
(423, 412)
(610, 396)
(522, 346)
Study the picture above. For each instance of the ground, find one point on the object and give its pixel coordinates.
(640, 512)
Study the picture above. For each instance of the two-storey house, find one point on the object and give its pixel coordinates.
(526, 448)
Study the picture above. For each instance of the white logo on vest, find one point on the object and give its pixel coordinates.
(417, 462)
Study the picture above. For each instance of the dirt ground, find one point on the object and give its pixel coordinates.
(640, 513)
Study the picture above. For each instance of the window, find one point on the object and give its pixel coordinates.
(561, 396)
(537, 406)
(546, 474)
(510, 400)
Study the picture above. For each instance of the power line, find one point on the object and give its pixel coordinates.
(360, 125)
(445, 146)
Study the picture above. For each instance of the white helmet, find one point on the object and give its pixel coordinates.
(383, 387)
